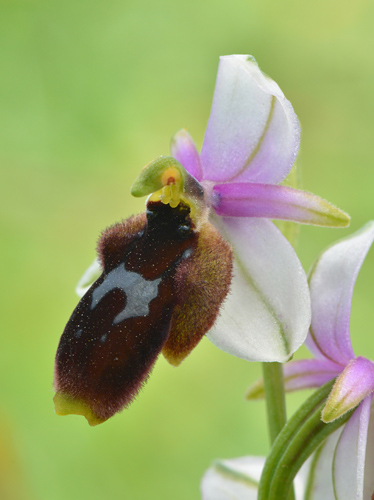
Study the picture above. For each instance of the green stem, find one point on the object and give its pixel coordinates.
(306, 440)
(275, 399)
(275, 402)
(277, 451)
(296, 421)
(302, 435)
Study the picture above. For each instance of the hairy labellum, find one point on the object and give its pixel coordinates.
(162, 285)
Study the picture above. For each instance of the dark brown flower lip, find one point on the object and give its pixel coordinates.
(119, 327)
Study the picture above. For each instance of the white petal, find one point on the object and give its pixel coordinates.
(253, 133)
(234, 479)
(267, 313)
(320, 485)
(300, 481)
(238, 478)
(349, 461)
(89, 276)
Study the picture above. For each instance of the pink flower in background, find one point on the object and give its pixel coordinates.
(344, 465)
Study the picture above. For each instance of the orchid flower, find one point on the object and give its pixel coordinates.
(251, 143)
(165, 278)
(238, 479)
(349, 453)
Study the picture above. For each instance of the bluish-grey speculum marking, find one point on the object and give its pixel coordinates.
(139, 292)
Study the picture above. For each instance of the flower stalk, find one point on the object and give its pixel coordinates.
(275, 403)
(275, 398)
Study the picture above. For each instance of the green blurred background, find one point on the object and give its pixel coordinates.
(89, 93)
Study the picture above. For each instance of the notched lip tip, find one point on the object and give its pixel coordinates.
(68, 405)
